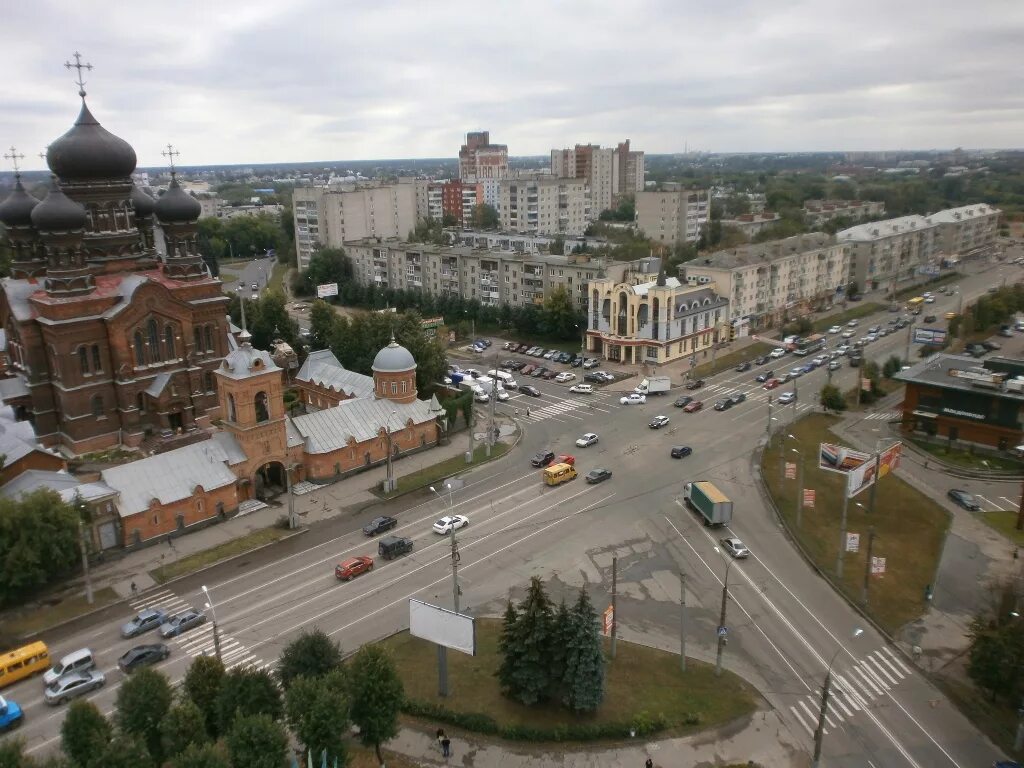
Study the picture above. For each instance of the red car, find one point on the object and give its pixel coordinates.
(772, 383)
(693, 407)
(352, 567)
(565, 458)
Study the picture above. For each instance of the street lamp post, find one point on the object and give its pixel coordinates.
(389, 482)
(442, 651)
(819, 732)
(216, 629)
(799, 486)
(722, 630)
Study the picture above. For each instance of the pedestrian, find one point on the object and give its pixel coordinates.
(135, 589)
(446, 746)
(649, 763)
(527, 412)
(440, 738)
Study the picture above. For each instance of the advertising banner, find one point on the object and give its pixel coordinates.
(877, 566)
(809, 498)
(606, 620)
(865, 385)
(836, 458)
(853, 542)
(326, 289)
(863, 476)
(790, 471)
(936, 336)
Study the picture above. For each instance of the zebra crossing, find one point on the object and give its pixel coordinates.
(577, 409)
(199, 641)
(854, 690)
(884, 416)
(756, 395)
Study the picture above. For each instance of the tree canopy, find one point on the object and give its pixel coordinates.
(311, 654)
(38, 544)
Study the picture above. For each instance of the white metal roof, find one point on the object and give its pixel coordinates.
(361, 419)
(323, 369)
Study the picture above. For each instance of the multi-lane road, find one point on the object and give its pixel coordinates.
(784, 625)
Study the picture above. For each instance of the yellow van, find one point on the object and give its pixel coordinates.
(557, 474)
(23, 662)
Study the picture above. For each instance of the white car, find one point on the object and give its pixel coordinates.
(587, 440)
(481, 397)
(582, 389)
(786, 398)
(564, 377)
(633, 399)
(549, 354)
(842, 349)
(502, 396)
(929, 299)
(447, 524)
(848, 334)
(835, 329)
(853, 323)
(735, 547)
(777, 353)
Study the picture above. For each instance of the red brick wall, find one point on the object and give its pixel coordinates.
(322, 466)
(34, 460)
(160, 520)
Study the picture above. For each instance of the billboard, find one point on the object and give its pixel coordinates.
(326, 289)
(863, 476)
(441, 626)
(836, 458)
(936, 336)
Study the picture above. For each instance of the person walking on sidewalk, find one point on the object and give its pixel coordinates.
(649, 763)
(440, 738)
(446, 747)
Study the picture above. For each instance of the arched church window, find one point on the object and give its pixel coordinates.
(83, 360)
(197, 339)
(232, 414)
(140, 402)
(209, 338)
(169, 342)
(97, 361)
(262, 407)
(97, 405)
(154, 341)
(140, 349)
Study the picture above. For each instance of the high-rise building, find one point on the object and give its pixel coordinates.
(610, 173)
(459, 199)
(544, 206)
(332, 216)
(672, 217)
(479, 159)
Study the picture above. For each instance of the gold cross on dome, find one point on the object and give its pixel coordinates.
(79, 66)
(170, 153)
(14, 157)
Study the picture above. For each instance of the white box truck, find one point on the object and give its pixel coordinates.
(654, 385)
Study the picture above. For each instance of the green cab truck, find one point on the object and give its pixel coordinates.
(709, 502)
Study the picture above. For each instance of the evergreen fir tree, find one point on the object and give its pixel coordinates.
(584, 664)
(509, 650)
(561, 632)
(534, 638)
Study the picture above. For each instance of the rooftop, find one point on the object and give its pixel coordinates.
(323, 369)
(760, 253)
(359, 420)
(994, 376)
(66, 485)
(955, 215)
(876, 230)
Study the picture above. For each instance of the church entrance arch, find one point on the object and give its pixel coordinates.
(270, 480)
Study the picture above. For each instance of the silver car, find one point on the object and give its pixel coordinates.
(144, 621)
(72, 685)
(735, 547)
(182, 622)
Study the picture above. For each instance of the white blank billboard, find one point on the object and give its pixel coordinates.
(441, 626)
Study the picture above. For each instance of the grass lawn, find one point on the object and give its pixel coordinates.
(421, 478)
(276, 281)
(364, 757)
(1006, 523)
(931, 285)
(228, 277)
(42, 617)
(905, 521)
(997, 721)
(967, 459)
(639, 680)
(194, 562)
(732, 359)
(888, 386)
(854, 312)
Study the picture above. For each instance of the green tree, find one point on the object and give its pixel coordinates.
(267, 319)
(311, 654)
(561, 317)
(248, 691)
(328, 265)
(449, 220)
(832, 399)
(322, 322)
(509, 651)
(85, 733)
(892, 366)
(125, 751)
(561, 636)
(530, 677)
(557, 246)
(38, 544)
(317, 709)
(182, 726)
(376, 696)
(143, 700)
(202, 756)
(584, 660)
(202, 685)
(257, 741)
(484, 217)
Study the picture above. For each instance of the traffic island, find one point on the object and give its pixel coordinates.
(645, 693)
(421, 478)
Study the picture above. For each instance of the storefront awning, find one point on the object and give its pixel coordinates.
(926, 415)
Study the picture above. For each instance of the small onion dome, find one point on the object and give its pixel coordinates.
(143, 202)
(16, 210)
(58, 212)
(394, 358)
(89, 152)
(176, 206)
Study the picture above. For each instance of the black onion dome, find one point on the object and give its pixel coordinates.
(58, 212)
(16, 210)
(176, 206)
(143, 202)
(89, 152)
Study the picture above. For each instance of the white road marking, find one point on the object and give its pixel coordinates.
(799, 716)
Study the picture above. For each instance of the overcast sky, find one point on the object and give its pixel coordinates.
(300, 80)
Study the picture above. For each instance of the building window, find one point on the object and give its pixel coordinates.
(197, 339)
(154, 341)
(403, 387)
(140, 402)
(394, 388)
(209, 338)
(232, 414)
(83, 361)
(262, 407)
(208, 381)
(97, 405)
(97, 363)
(169, 342)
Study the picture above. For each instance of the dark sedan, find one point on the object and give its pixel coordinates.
(143, 656)
(964, 499)
(761, 378)
(723, 405)
(598, 475)
(761, 360)
(379, 525)
(530, 390)
(681, 451)
(743, 367)
(682, 401)
(696, 384)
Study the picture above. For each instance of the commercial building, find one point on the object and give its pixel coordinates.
(490, 277)
(634, 319)
(670, 217)
(965, 231)
(954, 398)
(544, 206)
(479, 159)
(885, 252)
(768, 282)
(752, 224)
(330, 217)
(819, 212)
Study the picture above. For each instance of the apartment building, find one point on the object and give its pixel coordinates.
(636, 320)
(768, 282)
(520, 243)
(544, 206)
(631, 169)
(479, 159)
(885, 252)
(670, 217)
(965, 231)
(490, 277)
(610, 173)
(459, 199)
(330, 217)
(818, 212)
(752, 224)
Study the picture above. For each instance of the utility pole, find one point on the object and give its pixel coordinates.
(682, 621)
(469, 425)
(1020, 510)
(292, 522)
(910, 336)
(768, 426)
(492, 400)
(819, 732)
(456, 589)
(867, 565)
(799, 489)
(722, 630)
(85, 562)
(615, 619)
(842, 532)
(877, 458)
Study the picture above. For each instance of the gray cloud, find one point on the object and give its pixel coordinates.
(264, 81)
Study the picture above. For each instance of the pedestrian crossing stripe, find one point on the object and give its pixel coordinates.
(885, 416)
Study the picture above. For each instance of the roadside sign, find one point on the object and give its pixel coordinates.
(606, 620)
(723, 631)
(865, 384)
(326, 289)
(853, 542)
(877, 566)
(809, 498)
(790, 471)
(936, 336)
